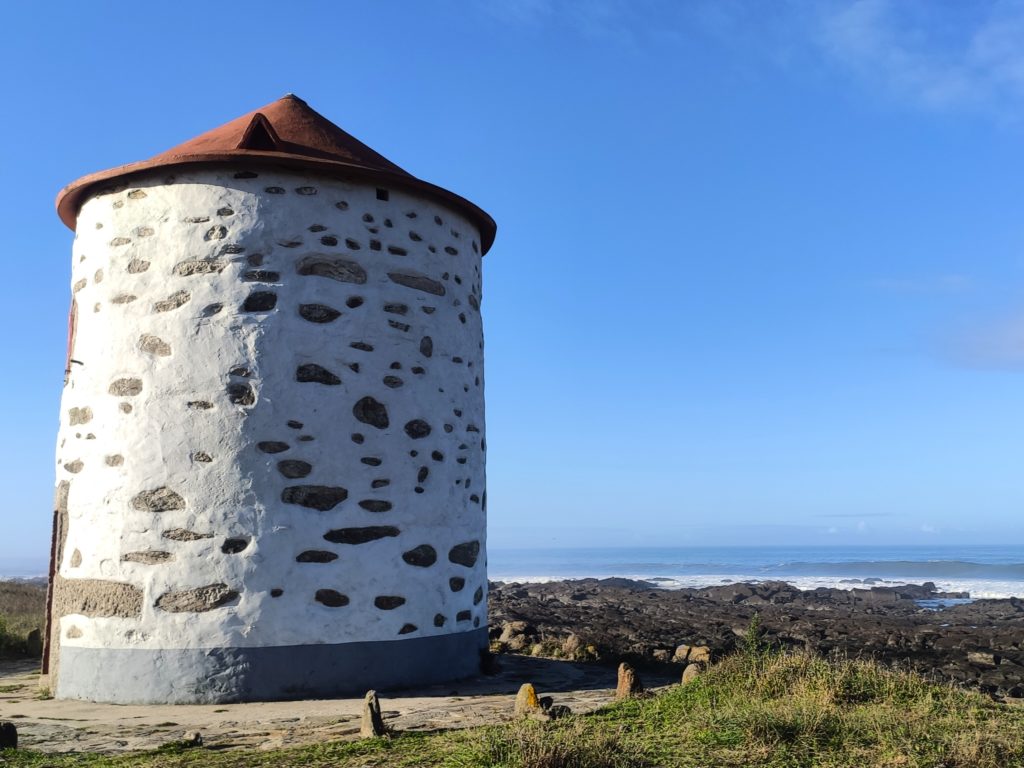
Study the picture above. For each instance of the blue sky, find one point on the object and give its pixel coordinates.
(759, 275)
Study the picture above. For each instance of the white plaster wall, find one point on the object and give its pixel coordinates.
(248, 227)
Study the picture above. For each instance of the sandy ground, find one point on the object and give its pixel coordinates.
(73, 726)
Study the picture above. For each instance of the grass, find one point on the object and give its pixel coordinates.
(22, 609)
(756, 708)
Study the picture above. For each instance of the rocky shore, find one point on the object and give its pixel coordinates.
(979, 644)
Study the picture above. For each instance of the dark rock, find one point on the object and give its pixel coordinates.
(318, 313)
(320, 497)
(372, 412)
(331, 598)
(293, 468)
(423, 556)
(465, 553)
(388, 602)
(317, 374)
(361, 535)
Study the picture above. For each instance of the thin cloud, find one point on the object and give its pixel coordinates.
(997, 344)
(931, 284)
(939, 55)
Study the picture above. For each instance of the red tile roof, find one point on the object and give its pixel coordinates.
(287, 134)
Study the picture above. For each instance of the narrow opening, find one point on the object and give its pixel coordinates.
(382, 194)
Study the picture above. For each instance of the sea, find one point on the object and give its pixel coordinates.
(982, 571)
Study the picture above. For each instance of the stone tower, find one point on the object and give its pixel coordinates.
(271, 453)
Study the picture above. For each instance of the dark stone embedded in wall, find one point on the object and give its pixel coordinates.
(417, 282)
(465, 553)
(407, 628)
(137, 266)
(125, 387)
(388, 602)
(199, 267)
(123, 298)
(396, 309)
(199, 405)
(372, 412)
(478, 595)
(375, 505)
(362, 346)
(197, 600)
(216, 233)
(392, 382)
(318, 313)
(331, 598)
(463, 616)
(202, 457)
(76, 559)
(241, 394)
(260, 301)
(320, 497)
(272, 446)
(342, 270)
(417, 428)
(361, 535)
(147, 557)
(154, 345)
(456, 583)
(276, 592)
(96, 598)
(439, 620)
(316, 556)
(293, 468)
(74, 467)
(426, 346)
(316, 374)
(234, 546)
(261, 276)
(184, 534)
(380, 482)
(423, 556)
(161, 499)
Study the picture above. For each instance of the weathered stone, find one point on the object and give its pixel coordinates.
(123, 298)
(154, 345)
(316, 556)
(422, 556)
(74, 467)
(137, 266)
(293, 468)
(96, 598)
(199, 267)
(628, 684)
(700, 654)
(426, 346)
(361, 535)
(372, 412)
(417, 282)
(463, 616)
(184, 534)
(417, 429)
(456, 583)
(202, 457)
(526, 702)
(388, 602)
(331, 598)
(216, 233)
(261, 276)
(34, 643)
(234, 546)
(272, 446)
(147, 557)
(199, 405)
(371, 724)
(440, 619)
(260, 301)
(478, 596)
(79, 416)
(8, 736)
(406, 628)
(197, 600)
(241, 394)
(692, 672)
(76, 559)
(125, 387)
(318, 313)
(465, 553)
(342, 270)
(392, 382)
(320, 497)
(375, 505)
(161, 499)
(316, 374)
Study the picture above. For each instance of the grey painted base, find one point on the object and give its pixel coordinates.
(219, 675)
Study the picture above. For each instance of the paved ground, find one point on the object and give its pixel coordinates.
(66, 726)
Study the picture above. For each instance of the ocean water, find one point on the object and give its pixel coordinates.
(983, 571)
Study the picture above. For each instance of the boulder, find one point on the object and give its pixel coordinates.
(371, 725)
(692, 672)
(8, 736)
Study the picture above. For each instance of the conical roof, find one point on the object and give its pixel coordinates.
(286, 133)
